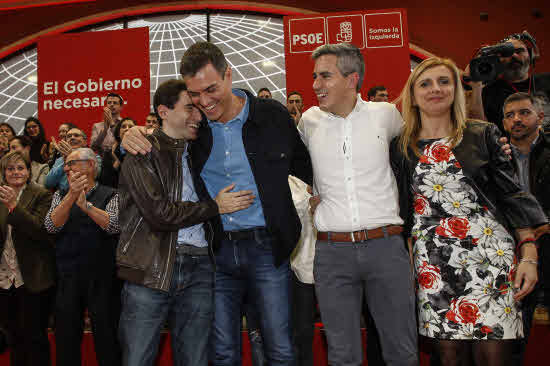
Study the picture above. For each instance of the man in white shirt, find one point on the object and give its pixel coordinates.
(359, 250)
(102, 132)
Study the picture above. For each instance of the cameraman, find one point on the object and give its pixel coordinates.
(517, 76)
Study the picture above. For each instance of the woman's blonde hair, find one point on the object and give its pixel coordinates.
(411, 114)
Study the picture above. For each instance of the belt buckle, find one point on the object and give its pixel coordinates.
(352, 236)
(229, 235)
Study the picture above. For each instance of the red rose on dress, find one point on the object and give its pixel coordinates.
(457, 164)
(424, 159)
(429, 278)
(463, 310)
(454, 227)
(421, 205)
(441, 153)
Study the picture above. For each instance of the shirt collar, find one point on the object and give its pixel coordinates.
(243, 114)
(358, 103)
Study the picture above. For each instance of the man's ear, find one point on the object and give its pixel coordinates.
(540, 116)
(353, 80)
(162, 111)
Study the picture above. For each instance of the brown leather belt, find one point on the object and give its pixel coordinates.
(360, 235)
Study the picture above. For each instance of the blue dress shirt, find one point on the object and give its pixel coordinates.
(193, 235)
(229, 164)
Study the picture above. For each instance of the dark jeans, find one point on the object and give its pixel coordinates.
(188, 306)
(379, 269)
(246, 267)
(74, 293)
(24, 316)
(303, 320)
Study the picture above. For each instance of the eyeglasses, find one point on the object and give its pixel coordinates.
(70, 163)
(69, 135)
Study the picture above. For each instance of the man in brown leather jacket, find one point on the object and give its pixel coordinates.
(166, 239)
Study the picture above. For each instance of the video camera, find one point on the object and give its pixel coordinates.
(487, 66)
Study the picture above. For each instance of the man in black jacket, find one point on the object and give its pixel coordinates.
(254, 144)
(164, 248)
(523, 118)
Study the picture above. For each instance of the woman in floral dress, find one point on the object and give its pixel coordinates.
(458, 197)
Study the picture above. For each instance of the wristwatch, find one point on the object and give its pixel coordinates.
(89, 205)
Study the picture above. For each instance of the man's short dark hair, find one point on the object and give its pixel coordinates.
(294, 93)
(201, 54)
(372, 91)
(115, 95)
(168, 94)
(518, 97)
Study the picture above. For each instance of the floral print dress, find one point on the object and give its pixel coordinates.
(464, 258)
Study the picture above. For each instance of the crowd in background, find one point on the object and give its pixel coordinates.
(447, 203)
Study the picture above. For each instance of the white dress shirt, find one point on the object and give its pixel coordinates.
(301, 260)
(351, 166)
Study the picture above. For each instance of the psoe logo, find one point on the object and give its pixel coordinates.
(345, 35)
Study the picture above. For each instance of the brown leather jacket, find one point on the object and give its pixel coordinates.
(151, 212)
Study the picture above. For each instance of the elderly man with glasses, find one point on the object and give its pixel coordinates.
(56, 178)
(85, 219)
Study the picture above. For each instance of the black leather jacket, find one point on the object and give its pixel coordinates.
(151, 212)
(491, 174)
(274, 150)
(539, 171)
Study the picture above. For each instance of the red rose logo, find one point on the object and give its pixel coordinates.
(421, 205)
(454, 227)
(463, 310)
(429, 278)
(486, 330)
(441, 153)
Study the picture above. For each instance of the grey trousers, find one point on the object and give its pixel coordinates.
(380, 270)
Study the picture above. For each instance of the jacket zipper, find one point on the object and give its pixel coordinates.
(127, 244)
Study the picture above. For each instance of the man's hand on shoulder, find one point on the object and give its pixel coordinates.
(506, 148)
(135, 142)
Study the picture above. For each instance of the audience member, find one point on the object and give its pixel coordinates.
(264, 93)
(457, 191)
(56, 178)
(38, 171)
(152, 121)
(54, 148)
(359, 253)
(39, 147)
(523, 117)
(27, 262)
(255, 243)
(85, 219)
(172, 235)
(518, 76)
(7, 131)
(378, 94)
(102, 132)
(294, 104)
(112, 160)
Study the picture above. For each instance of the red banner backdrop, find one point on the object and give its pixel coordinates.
(77, 71)
(381, 35)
